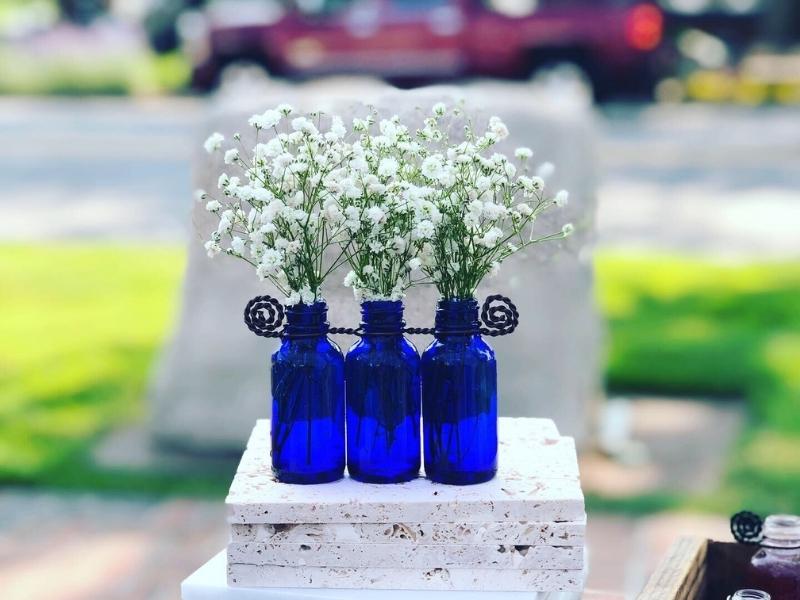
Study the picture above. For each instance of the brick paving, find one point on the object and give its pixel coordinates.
(86, 546)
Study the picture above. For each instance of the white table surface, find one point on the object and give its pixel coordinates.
(209, 582)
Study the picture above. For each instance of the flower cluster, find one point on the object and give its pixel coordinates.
(485, 203)
(385, 211)
(398, 207)
(278, 214)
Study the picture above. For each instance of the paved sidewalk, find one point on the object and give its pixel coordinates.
(690, 178)
(86, 546)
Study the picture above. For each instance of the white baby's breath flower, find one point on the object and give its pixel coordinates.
(498, 129)
(491, 237)
(350, 279)
(200, 195)
(432, 167)
(567, 229)
(268, 119)
(212, 248)
(285, 109)
(237, 245)
(337, 129)
(523, 153)
(388, 167)
(214, 142)
(394, 201)
(424, 230)
(561, 198)
(231, 156)
(545, 170)
(303, 125)
(375, 214)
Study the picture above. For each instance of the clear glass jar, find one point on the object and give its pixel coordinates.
(750, 595)
(307, 427)
(383, 398)
(775, 567)
(459, 398)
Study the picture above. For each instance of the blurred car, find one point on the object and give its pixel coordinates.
(611, 41)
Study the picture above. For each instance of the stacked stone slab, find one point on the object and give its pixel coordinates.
(522, 531)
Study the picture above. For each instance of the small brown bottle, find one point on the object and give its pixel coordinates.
(775, 567)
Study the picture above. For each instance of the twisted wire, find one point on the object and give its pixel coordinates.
(263, 315)
(499, 319)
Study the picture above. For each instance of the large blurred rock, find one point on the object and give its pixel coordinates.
(213, 381)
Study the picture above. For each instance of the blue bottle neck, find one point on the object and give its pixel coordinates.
(384, 317)
(456, 316)
(307, 319)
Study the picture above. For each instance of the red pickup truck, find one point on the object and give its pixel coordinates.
(612, 41)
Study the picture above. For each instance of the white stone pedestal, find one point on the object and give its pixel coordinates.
(524, 530)
(209, 582)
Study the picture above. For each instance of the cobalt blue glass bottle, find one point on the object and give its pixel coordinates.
(383, 398)
(308, 442)
(459, 398)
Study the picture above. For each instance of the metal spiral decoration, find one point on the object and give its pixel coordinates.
(263, 315)
(746, 527)
(499, 319)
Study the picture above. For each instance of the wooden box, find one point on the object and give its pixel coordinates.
(698, 569)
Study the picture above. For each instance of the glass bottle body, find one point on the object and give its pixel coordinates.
(308, 422)
(775, 567)
(383, 398)
(459, 398)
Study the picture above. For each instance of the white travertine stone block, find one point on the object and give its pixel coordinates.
(537, 481)
(555, 455)
(534, 534)
(241, 575)
(417, 556)
(210, 582)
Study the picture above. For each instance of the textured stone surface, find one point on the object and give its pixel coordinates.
(213, 380)
(537, 481)
(406, 579)
(210, 582)
(534, 534)
(417, 556)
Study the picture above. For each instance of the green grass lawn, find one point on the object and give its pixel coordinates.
(683, 326)
(140, 73)
(81, 326)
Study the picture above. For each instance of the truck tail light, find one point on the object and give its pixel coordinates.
(644, 27)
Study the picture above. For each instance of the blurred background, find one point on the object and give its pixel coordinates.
(695, 111)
